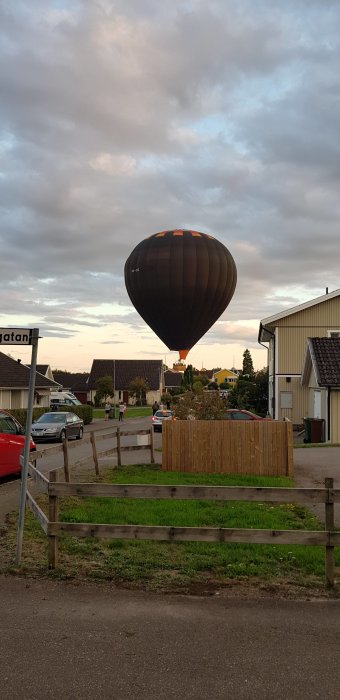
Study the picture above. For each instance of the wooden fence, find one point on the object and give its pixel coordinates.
(264, 448)
(92, 439)
(53, 528)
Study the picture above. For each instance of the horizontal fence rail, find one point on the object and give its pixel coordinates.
(328, 538)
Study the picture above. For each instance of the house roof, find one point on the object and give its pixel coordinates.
(265, 334)
(76, 381)
(42, 369)
(172, 378)
(323, 354)
(15, 375)
(125, 371)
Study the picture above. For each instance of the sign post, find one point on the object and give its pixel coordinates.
(23, 336)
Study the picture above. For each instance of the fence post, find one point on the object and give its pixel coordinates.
(53, 515)
(329, 519)
(119, 454)
(94, 453)
(152, 453)
(66, 462)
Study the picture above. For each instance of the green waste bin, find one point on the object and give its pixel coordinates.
(314, 430)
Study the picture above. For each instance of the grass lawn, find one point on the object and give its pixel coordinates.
(131, 412)
(180, 565)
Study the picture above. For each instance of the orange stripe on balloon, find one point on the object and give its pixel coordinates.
(196, 234)
(177, 233)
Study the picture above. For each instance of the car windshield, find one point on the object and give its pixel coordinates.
(163, 414)
(52, 418)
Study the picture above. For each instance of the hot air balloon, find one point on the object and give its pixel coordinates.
(180, 282)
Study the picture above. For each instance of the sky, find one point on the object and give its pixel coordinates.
(122, 118)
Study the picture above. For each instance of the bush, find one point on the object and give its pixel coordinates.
(85, 412)
(21, 413)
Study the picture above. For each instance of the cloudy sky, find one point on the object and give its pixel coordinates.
(121, 118)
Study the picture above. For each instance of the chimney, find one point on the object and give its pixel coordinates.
(18, 361)
(326, 290)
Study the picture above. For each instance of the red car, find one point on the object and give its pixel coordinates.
(12, 441)
(240, 414)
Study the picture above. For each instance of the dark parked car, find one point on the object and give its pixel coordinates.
(12, 441)
(57, 426)
(241, 414)
(158, 418)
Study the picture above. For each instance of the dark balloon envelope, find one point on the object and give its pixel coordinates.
(180, 282)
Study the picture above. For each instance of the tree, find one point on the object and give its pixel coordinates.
(188, 378)
(204, 406)
(138, 389)
(261, 381)
(104, 389)
(251, 395)
(247, 366)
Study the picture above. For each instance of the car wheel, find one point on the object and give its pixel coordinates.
(81, 433)
(63, 436)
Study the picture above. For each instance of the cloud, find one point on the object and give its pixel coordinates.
(121, 119)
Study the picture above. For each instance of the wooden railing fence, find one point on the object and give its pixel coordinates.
(328, 538)
(264, 448)
(92, 439)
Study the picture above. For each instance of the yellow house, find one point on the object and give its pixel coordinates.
(286, 334)
(225, 375)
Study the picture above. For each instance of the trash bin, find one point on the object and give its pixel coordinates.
(112, 413)
(314, 429)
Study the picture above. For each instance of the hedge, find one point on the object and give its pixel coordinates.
(84, 411)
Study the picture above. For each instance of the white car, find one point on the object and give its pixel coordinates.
(158, 418)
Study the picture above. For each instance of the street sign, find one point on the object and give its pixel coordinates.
(16, 336)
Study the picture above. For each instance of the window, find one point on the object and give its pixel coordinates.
(286, 399)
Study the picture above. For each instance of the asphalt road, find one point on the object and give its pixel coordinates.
(83, 642)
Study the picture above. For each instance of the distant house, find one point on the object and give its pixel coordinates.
(77, 382)
(225, 376)
(14, 384)
(123, 372)
(321, 377)
(172, 379)
(286, 334)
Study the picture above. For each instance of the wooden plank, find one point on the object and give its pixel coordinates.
(37, 512)
(66, 461)
(188, 534)
(106, 453)
(53, 515)
(94, 453)
(214, 493)
(119, 454)
(48, 451)
(329, 523)
(152, 452)
(125, 433)
(38, 476)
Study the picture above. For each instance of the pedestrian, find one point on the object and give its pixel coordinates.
(107, 410)
(121, 410)
(155, 407)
